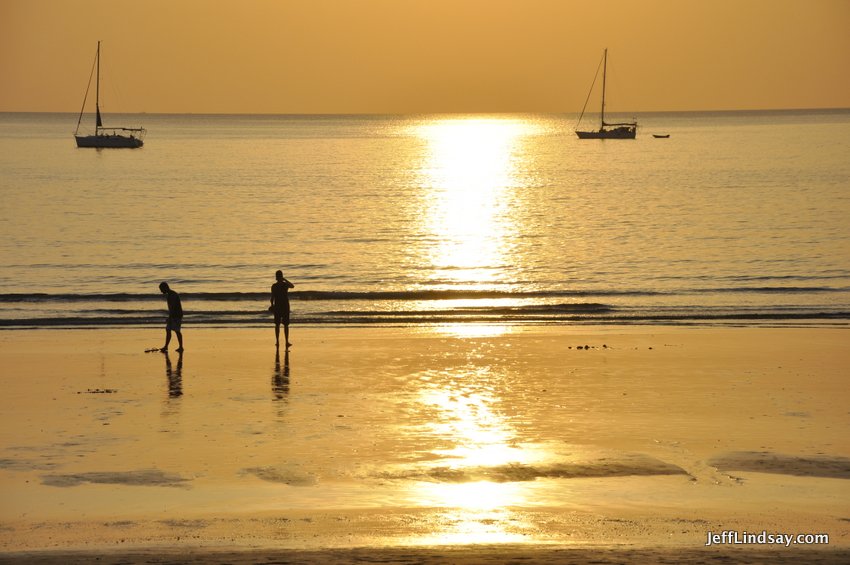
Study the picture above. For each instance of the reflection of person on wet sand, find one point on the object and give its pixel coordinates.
(280, 307)
(175, 316)
(280, 379)
(174, 376)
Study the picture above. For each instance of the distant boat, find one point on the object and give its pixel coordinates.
(103, 136)
(622, 130)
(660, 135)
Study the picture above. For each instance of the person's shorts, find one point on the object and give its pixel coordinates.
(173, 324)
(281, 316)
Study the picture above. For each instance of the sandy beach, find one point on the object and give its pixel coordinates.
(453, 444)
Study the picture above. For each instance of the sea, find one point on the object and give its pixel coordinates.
(736, 218)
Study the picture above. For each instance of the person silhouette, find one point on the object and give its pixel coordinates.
(280, 307)
(175, 317)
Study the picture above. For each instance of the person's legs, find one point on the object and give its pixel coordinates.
(173, 324)
(277, 328)
(286, 327)
(167, 338)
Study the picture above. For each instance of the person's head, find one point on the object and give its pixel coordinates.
(279, 275)
(163, 287)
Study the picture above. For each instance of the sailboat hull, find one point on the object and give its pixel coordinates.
(109, 141)
(619, 133)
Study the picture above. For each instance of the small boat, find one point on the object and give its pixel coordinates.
(621, 130)
(103, 136)
(660, 135)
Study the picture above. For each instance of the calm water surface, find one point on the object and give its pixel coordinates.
(736, 218)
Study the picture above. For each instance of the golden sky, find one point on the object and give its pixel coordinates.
(411, 56)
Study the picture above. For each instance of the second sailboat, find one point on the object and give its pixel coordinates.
(620, 130)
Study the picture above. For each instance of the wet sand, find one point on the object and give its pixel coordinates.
(458, 444)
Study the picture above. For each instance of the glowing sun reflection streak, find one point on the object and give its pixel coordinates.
(469, 172)
(481, 436)
(469, 330)
(476, 511)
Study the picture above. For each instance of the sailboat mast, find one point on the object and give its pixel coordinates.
(98, 123)
(604, 76)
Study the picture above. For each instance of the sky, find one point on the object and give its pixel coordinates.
(421, 56)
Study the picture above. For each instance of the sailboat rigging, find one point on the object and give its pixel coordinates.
(620, 130)
(106, 136)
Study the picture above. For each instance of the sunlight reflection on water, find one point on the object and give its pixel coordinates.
(470, 330)
(469, 171)
(469, 433)
(477, 512)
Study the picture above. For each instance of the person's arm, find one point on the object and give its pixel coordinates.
(288, 284)
(272, 299)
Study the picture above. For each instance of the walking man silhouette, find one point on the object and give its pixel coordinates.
(175, 316)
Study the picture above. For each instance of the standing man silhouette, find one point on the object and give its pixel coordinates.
(175, 316)
(280, 307)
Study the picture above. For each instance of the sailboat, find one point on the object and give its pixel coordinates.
(103, 136)
(621, 130)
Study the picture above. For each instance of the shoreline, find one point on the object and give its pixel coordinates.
(555, 443)
(461, 555)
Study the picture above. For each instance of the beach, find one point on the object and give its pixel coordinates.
(453, 443)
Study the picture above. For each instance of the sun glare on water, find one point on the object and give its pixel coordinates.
(475, 513)
(475, 449)
(469, 225)
(468, 221)
(468, 179)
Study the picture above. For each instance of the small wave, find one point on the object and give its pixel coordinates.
(770, 290)
(409, 295)
(698, 315)
(565, 314)
(320, 295)
(128, 297)
(458, 294)
(81, 321)
(488, 310)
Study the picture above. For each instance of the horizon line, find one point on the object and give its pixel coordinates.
(438, 113)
